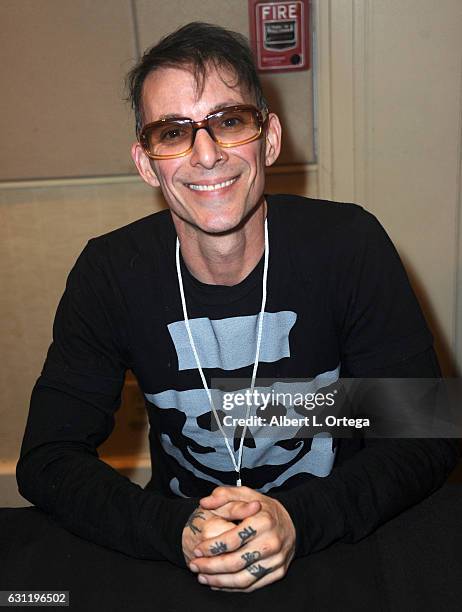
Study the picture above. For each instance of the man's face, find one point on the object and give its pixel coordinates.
(235, 174)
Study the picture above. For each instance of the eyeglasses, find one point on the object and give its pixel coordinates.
(229, 127)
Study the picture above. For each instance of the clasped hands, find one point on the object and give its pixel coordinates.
(239, 540)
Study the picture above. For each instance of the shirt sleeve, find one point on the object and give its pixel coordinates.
(379, 321)
(72, 413)
(382, 334)
(381, 479)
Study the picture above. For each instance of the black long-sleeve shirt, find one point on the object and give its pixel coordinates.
(339, 304)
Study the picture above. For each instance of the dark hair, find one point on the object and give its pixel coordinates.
(197, 45)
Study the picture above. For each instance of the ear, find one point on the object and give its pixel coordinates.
(272, 139)
(143, 165)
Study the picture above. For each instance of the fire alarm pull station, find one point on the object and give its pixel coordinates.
(279, 34)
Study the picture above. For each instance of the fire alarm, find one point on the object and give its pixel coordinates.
(279, 34)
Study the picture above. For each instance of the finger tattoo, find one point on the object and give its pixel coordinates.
(218, 547)
(246, 533)
(197, 514)
(258, 571)
(251, 557)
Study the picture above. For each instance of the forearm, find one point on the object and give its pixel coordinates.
(89, 498)
(374, 485)
(60, 472)
(378, 482)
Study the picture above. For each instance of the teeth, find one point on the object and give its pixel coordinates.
(211, 187)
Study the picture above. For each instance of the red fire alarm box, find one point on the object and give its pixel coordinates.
(279, 34)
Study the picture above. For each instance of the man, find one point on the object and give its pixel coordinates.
(228, 281)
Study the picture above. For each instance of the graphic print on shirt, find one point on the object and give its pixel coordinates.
(193, 438)
(230, 343)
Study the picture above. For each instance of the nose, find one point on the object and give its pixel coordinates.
(205, 152)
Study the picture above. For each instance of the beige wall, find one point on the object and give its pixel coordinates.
(61, 74)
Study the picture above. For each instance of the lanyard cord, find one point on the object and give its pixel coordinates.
(237, 464)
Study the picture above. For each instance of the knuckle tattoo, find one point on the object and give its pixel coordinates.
(194, 526)
(218, 548)
(258, 571)
(251, 557)
(246, 533)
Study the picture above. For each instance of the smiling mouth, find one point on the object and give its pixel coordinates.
(214, 187)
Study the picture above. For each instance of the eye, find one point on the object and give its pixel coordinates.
(172, 133)
(231, 122)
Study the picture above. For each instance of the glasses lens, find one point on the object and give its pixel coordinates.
(235, 126)
(168, 138)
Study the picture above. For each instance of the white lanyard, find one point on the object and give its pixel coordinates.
(237, 465)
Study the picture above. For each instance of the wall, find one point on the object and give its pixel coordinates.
(64, 114)
(390, 108)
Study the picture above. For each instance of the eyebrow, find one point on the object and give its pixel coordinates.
(213, 109)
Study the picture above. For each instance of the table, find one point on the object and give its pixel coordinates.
(413, 562)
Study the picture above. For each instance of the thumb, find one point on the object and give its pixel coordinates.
(238, 510)
(222, 495)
